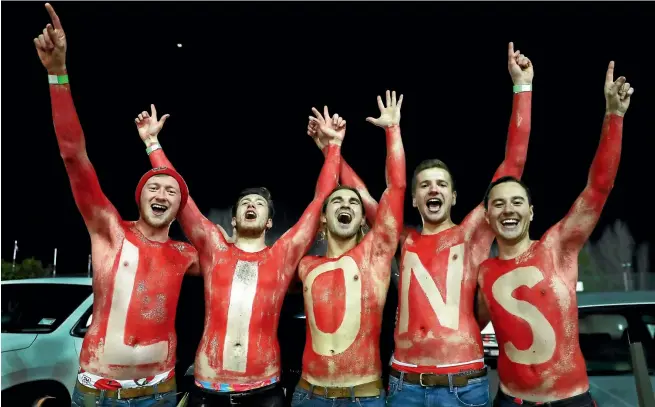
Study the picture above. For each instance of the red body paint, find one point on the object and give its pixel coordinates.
(424, 341)
(532, 298)
(141, 340)
(347, 296)
(244, 291)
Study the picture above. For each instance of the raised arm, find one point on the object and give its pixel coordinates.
(297, 240)
(346, 173)
(388, 224)
(518, 135)
(516, 150)
(202, 233)
(573, 231)
(98, 213)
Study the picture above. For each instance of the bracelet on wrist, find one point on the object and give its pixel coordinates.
(58, 79)
(522, 88)
(153, 147)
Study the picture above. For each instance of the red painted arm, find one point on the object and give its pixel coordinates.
(202, 233)
(516, 151)
(194, 268)
(518, 136)
(98, 213)
(297, 240)
(388, 224)
(351, 179)
(577, 225)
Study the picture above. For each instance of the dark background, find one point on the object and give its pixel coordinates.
(241, 87)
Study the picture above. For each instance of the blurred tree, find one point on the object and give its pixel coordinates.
(29, 268)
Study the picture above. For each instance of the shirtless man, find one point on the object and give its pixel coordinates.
(238, 359)
(529, 288)
(128, 353)
(345, 291)
(439, 356)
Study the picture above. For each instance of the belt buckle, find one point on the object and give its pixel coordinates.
(420, 380)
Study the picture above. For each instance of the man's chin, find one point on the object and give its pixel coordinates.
(343, 234)
(250, 231)
(435, 218)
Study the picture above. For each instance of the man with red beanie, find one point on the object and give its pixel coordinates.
(128, 353)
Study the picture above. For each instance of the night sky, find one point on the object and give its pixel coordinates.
(242, 85)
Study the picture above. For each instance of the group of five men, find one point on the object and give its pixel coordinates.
(448, 287)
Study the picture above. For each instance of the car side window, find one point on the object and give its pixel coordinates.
(649, 321)
(604, 341)
(82, 325)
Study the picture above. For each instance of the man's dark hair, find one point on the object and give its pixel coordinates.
(340, 187)
(502, 180)
(426, 165)
(261, 191)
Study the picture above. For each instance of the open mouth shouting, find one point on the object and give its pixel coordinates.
(344, 217)
(250, 214)
(158, 209)
(510, 224)
(434, 204)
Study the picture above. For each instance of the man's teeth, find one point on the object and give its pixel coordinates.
(157, 207)
(251, 215)
(434, 204)
(510, 222)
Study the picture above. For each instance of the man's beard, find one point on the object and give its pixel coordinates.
(250, 231)
(343, 234)
(157, 222)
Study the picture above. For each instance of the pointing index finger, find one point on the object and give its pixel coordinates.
(609, 76)
(53, 16)
(510, 50)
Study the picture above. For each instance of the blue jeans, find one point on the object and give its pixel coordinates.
(80, 399)
(403, 394)
(302, 398)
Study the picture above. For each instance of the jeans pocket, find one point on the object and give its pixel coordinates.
(474, 394)
(298, 397)
(393, 387)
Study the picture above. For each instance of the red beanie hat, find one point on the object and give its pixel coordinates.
(184, 190)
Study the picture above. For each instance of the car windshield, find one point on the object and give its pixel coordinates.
(606, 334)
(39, 308)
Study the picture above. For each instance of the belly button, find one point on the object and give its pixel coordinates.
(306, 288)
(237, 344)
(454, 257)
(125, 264)
(356, 277)
(332, 351)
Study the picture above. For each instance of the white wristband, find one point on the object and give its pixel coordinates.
(522, 88)
(152, 148)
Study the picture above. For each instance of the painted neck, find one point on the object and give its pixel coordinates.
(434, 228)
(151, 233)
(336, 246)
(508, 250)
(250, 244)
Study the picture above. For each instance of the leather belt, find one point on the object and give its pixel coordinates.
(439, 380)
(129, 393)
(371, 389)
